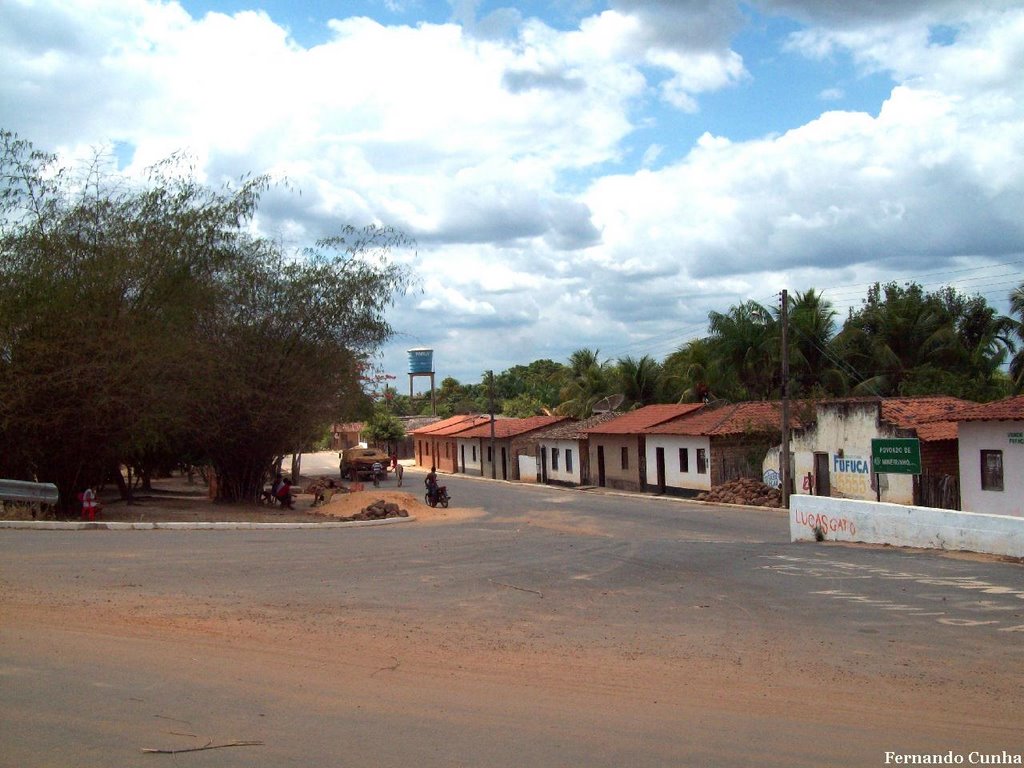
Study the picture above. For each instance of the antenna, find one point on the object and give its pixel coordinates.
(608, 404)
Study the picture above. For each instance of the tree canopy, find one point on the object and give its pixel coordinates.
(148, 324)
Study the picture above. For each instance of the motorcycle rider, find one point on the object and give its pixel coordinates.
(431, 483)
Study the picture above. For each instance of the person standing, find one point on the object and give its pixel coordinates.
(399, 471)
(89, 504)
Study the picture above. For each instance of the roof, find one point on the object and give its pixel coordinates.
(931, 417)
(733, 419)
(506, 428)
(576, 430)
(642, 419)
(445, 425)
(1010, 409)
(909, 412)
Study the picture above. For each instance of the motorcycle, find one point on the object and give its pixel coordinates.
(440, 496)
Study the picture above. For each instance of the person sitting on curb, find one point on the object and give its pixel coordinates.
(284, 494)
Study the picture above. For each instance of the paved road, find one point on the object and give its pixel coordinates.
(552, 627)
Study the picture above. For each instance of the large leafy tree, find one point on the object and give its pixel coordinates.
(102, 283)
(288, 338)
(906, 341)
(538, 381)
(147, 322)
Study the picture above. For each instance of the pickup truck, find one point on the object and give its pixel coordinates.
(357, 463)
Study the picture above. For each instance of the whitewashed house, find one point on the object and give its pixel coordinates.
(831, 454)
(991, 450)
(563, 451)
(710, 446)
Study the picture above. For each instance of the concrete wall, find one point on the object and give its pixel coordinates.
(568, 475)
(674, 476)
(528, 468)
(843, 432)
(904, 526)
(1005, 436)
(472, 449)
(615, 476)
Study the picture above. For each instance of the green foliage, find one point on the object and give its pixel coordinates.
(522, 406)
(141, 324)
(587, 380)
(639, 380)
(384, 428)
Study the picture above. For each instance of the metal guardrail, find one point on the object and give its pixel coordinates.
(24, 491)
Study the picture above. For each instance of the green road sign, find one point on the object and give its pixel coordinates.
(896, 455)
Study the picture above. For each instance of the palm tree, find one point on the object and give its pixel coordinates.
(692, 374)
(640, 380)
(899, 329)
(746, 339)
(586, 380)
(813, 363)
(1017, 319)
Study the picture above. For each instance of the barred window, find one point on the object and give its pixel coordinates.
(991, 470)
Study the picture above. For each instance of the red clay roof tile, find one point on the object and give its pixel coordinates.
(731, 419)
(506, 428)
(642, 419)
(1009, 409)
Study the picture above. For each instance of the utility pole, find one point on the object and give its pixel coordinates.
(784, 452)
(490, 405)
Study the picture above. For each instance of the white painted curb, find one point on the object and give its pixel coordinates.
(71, 525)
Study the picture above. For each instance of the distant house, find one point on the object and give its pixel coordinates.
(346, 435)
(711, 446)
(617, 454)
(831, 453)
(991, 451)
(435, 444)
(564, 451)
(515, 443)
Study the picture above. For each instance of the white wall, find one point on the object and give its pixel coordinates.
(529, 466)
(562, 475)
(472, 467)
(904, 526)
(1005, 436)
(849, 428)
(674, 478)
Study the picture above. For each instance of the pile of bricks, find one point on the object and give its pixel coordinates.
(379, 510)
(744, 491)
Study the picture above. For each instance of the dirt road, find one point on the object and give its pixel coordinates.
(476, 640)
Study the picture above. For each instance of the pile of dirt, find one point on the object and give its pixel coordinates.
(378, 510)
(744, 491)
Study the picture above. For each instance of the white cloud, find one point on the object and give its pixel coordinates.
(503, 148)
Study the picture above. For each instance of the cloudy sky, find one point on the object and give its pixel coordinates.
(596, 173)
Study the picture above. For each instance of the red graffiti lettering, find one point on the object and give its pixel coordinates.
(826, 523)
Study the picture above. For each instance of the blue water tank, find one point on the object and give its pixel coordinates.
(421, 360)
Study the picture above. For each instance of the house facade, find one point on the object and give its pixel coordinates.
(711, 446)
(436, 445)
(346, 435)
(831, 454)
(617, 448)
(563, 451)
(513, 438)
(991, 453)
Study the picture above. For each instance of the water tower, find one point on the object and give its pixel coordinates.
(421, 363)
